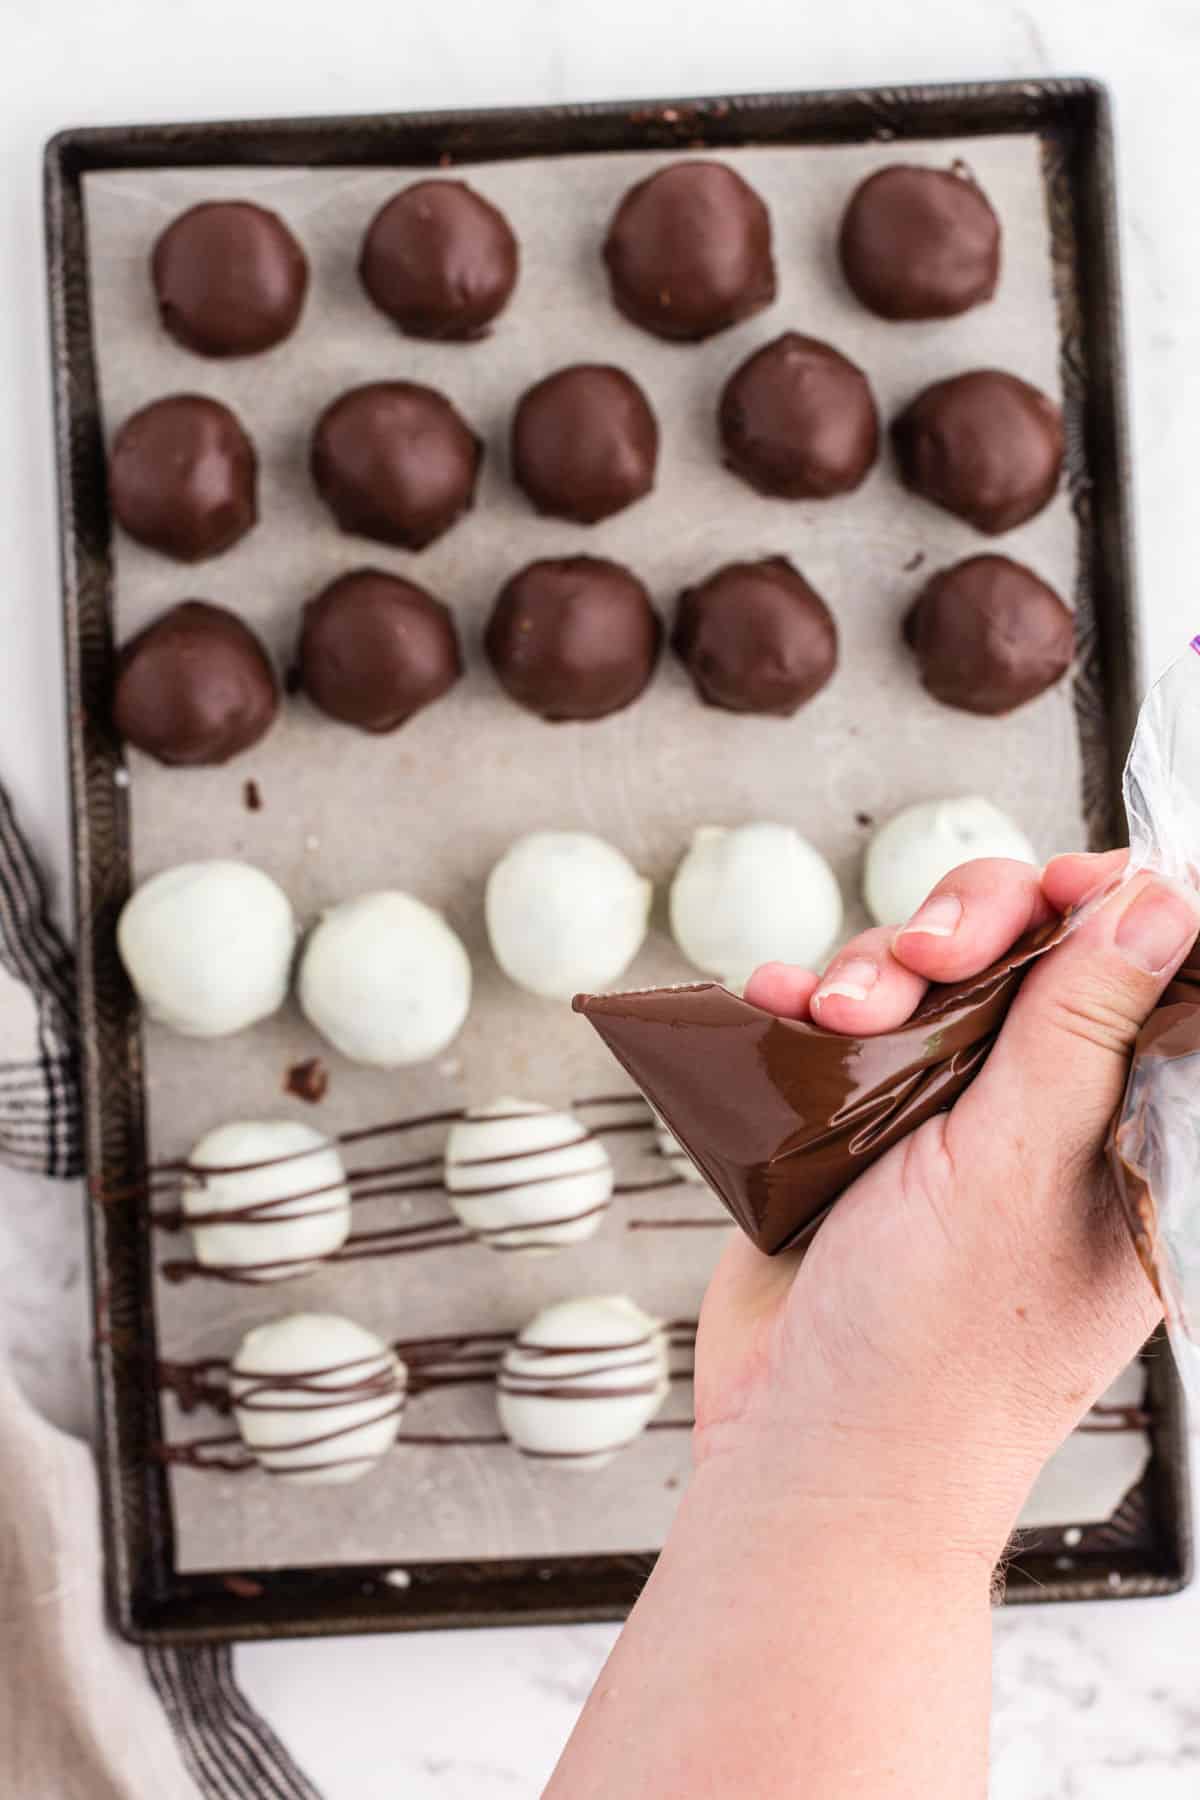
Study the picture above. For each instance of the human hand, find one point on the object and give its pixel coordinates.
(974, 1291)
(871, 1411)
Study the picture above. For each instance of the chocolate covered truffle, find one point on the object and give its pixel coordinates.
(374, 649)
(182, 477)
(920, 243)
(394, 461)
(798, 420)
(989, 635)
(440, 260)
(986, 446)
(229, 278)
(689, 251)
(573, 637)
(756, 638)
(195, 687)
(584, 443)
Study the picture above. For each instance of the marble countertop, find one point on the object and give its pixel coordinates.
(1094, 1701)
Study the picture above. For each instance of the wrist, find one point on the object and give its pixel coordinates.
(908, 1505)
(778, 1629)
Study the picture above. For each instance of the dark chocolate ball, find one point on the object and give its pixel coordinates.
(394, 461)
(689, 251)
(989, 635)
(920, 243)
(573, 638)
(798, 420)
(585, 443)
(195, 687)
(440, 260)
(229, 277)
(756, 638)
(182, 477)
(375, 649)
(985, 445)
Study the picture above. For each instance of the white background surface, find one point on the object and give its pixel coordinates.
(1096, 1702)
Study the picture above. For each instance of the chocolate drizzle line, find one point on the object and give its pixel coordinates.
(432, 1363)
(676, 1224)
(450, 1360)
(185, 1455)
(182, 1171)
(171, 1173)
(209, 1453)
(373, 1377)
(503, 1187)
(520, 1156)
(269, 1212)
(374, 1183)
(180, 1166)
(395, 1240)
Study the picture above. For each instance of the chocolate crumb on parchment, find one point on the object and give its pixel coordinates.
(308, 1080)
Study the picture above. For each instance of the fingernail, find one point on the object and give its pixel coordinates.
(852, 980)
(939, 917)
(1156, 930)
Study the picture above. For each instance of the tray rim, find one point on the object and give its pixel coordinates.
(131, 1515)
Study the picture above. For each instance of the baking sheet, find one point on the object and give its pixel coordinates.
(432, 807)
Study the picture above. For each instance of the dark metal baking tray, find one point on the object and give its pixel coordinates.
(1146, 1548)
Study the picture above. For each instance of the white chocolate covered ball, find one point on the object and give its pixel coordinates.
(754, 894)
(565, 912)
(911, 853)
(276, 1191)
(208, 946)
(385, 979)
(523, 1177)
(584, 1378)
(316, 1397)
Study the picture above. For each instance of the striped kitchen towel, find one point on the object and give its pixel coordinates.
(84, 1716)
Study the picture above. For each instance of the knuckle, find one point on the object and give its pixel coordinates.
(1096, 1012)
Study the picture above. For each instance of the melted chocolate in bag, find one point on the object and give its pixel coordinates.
(781, 1116)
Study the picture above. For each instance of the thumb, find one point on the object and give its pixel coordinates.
(1058, 1070)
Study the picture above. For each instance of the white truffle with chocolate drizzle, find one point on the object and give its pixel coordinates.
(523, 1177)
(583, 1379)
(265, 1199)
(317, 1398)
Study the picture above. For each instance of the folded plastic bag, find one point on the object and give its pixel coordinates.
(1154, 1145)
(780, 1116)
